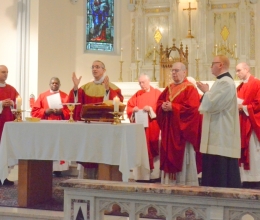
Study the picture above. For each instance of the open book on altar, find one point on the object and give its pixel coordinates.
(100, 111)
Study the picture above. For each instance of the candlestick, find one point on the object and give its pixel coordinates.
(216, 49)
(120, 76)
(137, 51)
(154, 53)
(137, 70)
(121, 56)
(154, 78)
(18, 103)
(116, 102)
(197, 52)
(235, 51)
(197, 70)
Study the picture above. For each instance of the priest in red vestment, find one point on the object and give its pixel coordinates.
(179, 120)
(8, 95)
(99, 90)
(145, 100)
(248, 93)
(49, 108)
(42, 109)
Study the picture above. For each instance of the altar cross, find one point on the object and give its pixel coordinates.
(189, 14)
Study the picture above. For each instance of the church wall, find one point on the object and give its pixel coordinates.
(61, 44)
(8, 41)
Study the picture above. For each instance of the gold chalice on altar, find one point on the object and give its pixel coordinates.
(71, 107)
(18, 114)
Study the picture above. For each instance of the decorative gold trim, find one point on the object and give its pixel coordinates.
(156, 10)
(225, 6)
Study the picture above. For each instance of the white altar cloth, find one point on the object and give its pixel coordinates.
(123, 145)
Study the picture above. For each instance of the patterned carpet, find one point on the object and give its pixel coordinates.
(9, 196)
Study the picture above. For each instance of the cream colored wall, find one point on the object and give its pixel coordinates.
(61, 44)
(8, 40)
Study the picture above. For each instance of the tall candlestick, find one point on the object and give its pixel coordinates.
(121, 56)
(18, 103)
(235, 50)
(197, 52)
(216, 50)
(116, 102)
(153, 53)
(137, 51)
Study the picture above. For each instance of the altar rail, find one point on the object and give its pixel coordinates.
(91, 199)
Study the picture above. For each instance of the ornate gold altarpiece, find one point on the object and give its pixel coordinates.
(166, 61)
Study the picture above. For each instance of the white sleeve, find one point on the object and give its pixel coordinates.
(218, 97)
(152, 114)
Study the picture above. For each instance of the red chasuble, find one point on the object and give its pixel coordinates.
(41, 105)
(92, 93)
(250, 93)
(142, 99)
(178, 126)
(7, 92)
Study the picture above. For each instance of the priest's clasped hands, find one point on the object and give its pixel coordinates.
(7, 103)
(145, 108)
(167, 106)
(53, 111)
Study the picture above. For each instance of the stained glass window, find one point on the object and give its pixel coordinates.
(100, 25)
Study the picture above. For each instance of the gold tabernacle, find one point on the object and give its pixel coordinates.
(100, 112)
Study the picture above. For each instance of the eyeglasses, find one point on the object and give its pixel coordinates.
(176, 70)
(214, 63)
(97, 67)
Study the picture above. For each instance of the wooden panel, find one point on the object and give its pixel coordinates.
(109, 172)
(34, 182)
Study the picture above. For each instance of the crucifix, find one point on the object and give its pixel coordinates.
(189, 14)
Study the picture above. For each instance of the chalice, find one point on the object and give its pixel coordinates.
(18, 114)
(71, 107)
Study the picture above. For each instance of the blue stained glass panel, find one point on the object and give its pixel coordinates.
(100, 25)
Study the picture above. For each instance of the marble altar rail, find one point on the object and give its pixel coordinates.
(93, 198)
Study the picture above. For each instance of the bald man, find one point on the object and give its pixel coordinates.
(8, 94)
(179, 120)
(145, 100)
(220, 141)
(248, 93)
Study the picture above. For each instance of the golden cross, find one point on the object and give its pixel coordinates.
(189, 13)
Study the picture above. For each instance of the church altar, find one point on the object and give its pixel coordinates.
(123, 145)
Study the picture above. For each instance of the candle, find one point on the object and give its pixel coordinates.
(216, 50)
(121, 58)
(116, 102)
(197, 52)
(137, 51)
(153, 53)
(18, 103)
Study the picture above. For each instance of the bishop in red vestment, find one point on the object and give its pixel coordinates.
(8, 95)
(179, 120)
(146, 99)
(93, 92)
(248, 93)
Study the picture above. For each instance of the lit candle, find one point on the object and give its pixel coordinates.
(197, 51)
(153, 53)
(121, 58)
(116, 102)
(18, 103)
(137, 51)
